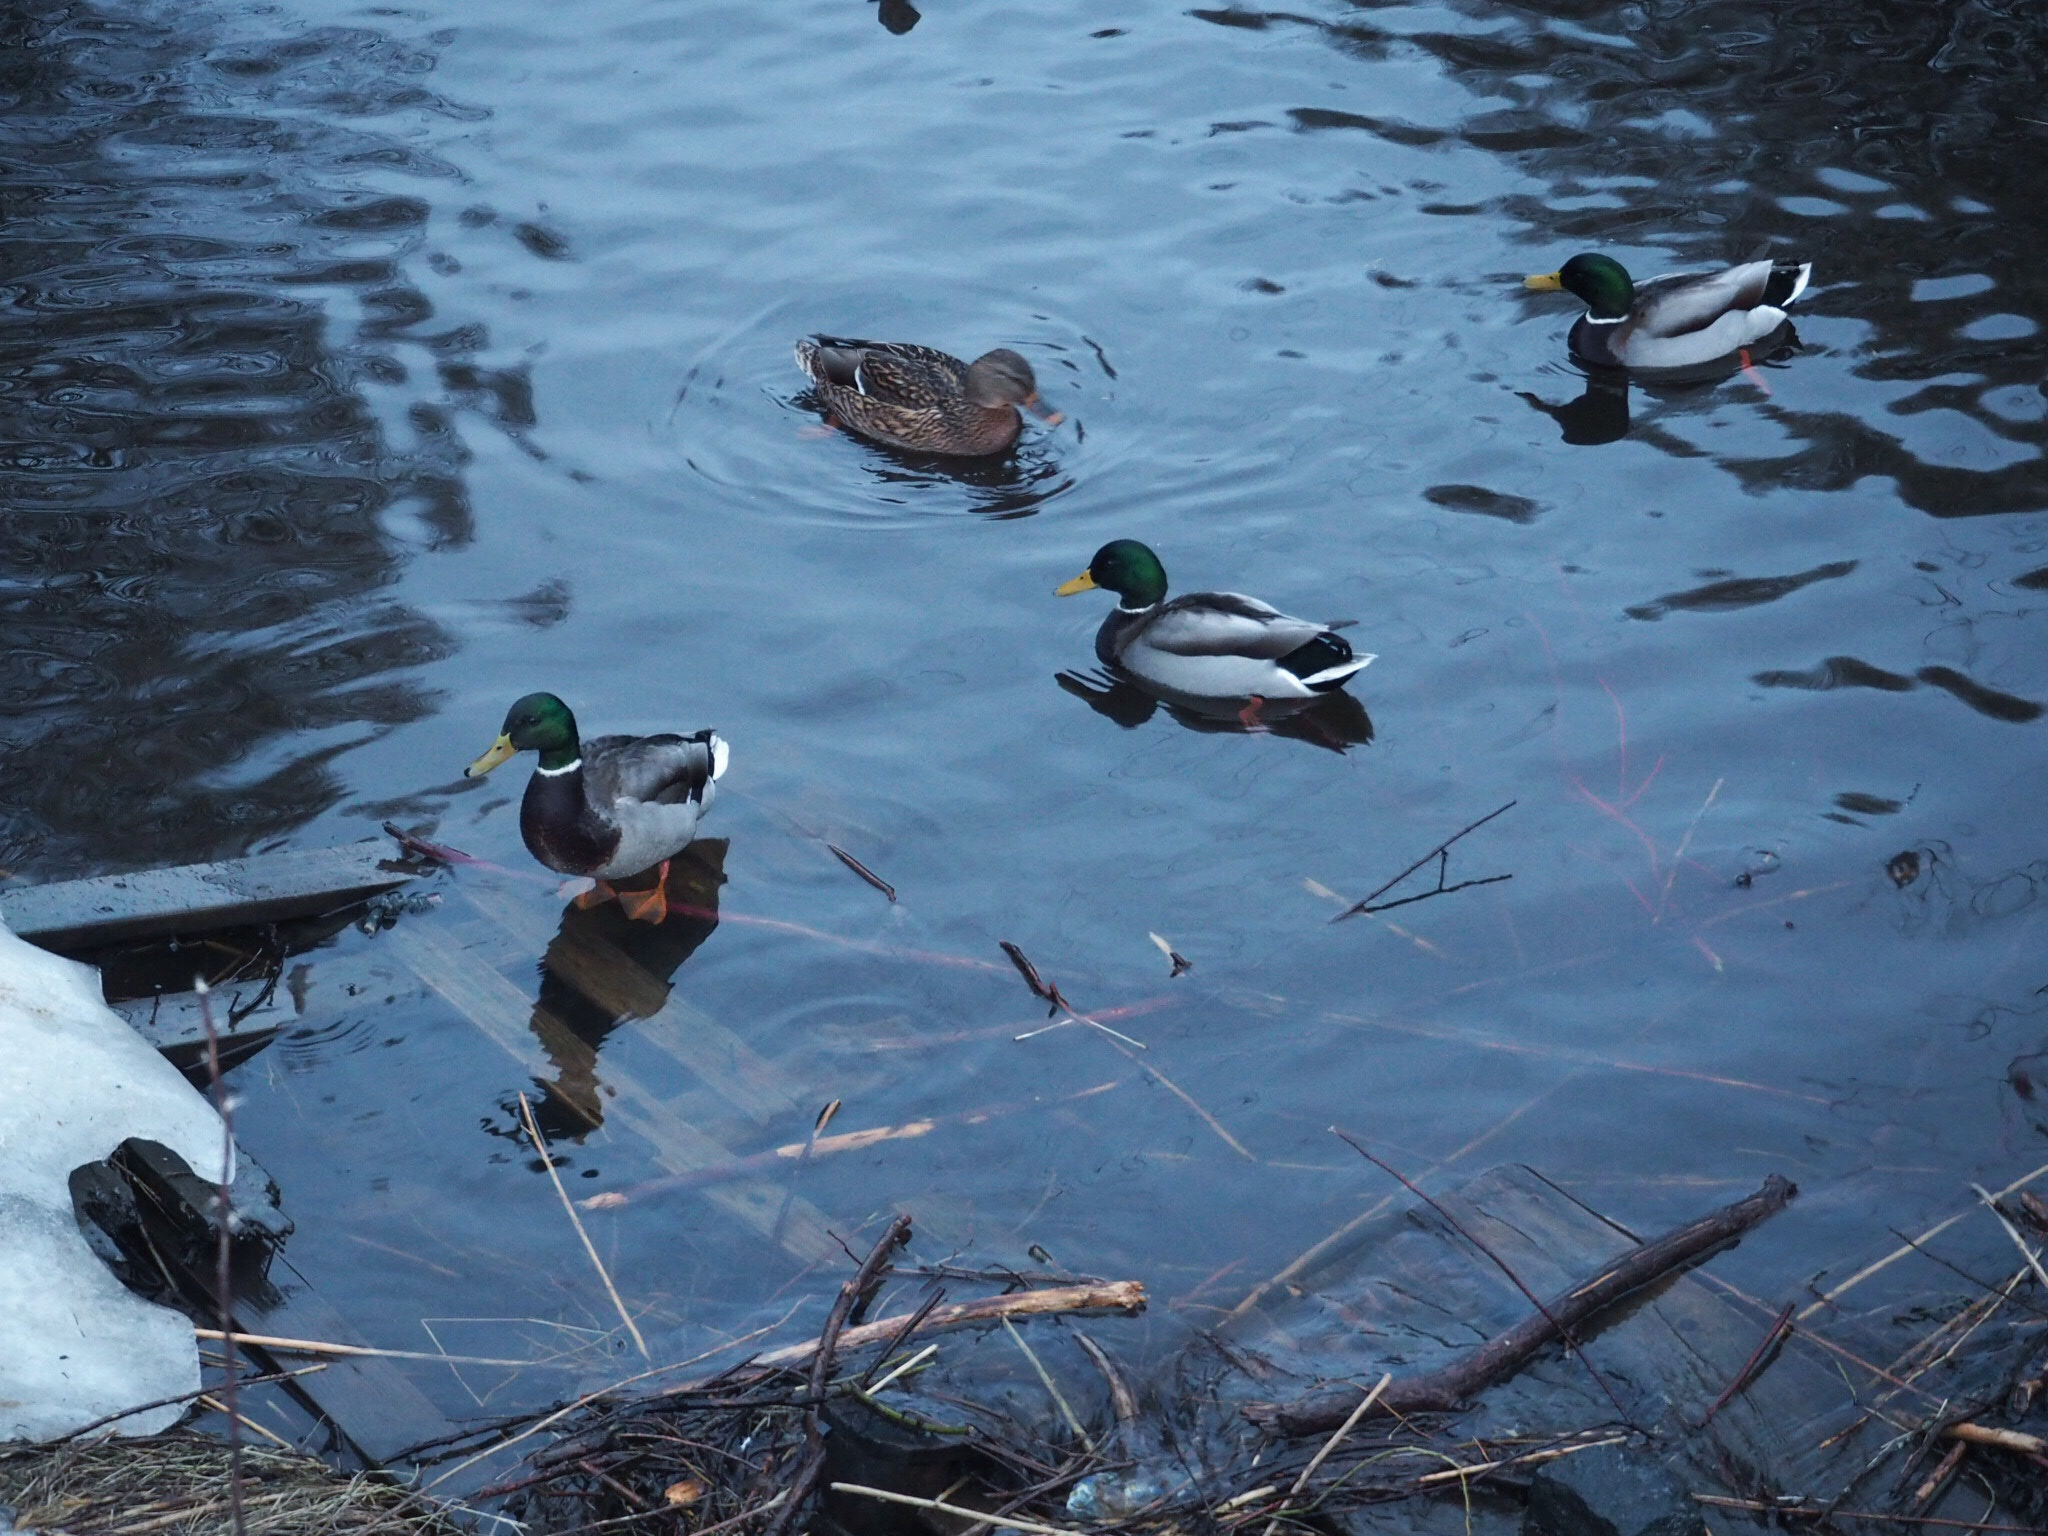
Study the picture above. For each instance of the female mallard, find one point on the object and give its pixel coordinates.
(608, 807)
(1678, 321)
(921, 398)
(1213, 645)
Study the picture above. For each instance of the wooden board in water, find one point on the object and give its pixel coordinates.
(74, 915)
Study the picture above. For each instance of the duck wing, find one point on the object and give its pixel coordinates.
(1225, 624)
(1684, 302)
(897, 372)
(657, 770)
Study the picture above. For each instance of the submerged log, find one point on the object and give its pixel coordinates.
(1444, 1389)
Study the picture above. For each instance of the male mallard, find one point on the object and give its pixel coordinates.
(1207, 644)
(608, 807)
(921, 398)
(1678, 321)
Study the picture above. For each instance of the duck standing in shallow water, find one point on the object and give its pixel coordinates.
(611, 806)
(1217, 645)
(1679, 321)
(921, 398)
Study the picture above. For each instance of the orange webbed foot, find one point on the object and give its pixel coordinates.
(598, 894)
(651, 905)
(1248, 717)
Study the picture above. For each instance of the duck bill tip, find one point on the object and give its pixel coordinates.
(1544, 282)
(500, 750)
(1081, 583)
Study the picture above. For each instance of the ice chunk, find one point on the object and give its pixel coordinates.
(76, 1082)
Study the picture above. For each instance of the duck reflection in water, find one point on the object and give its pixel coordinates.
(1335, 721)
(1601, 412)
(1013, 484)
(601, 970)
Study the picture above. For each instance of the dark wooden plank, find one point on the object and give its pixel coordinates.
(73, 915)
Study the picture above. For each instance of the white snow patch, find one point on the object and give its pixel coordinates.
(76, 1081)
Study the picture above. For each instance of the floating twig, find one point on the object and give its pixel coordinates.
(1761, 1356)
(420, 847)
(803, 1161)
(862, 870)
(1181, 963)
(540, 1145)
(1037, 983)
(1443, 1389)
(223, 1257)
(1050, 993)
(1558, 1329)
(975, 1516)
(1442, 854)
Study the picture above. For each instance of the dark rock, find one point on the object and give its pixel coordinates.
(1612, 1491)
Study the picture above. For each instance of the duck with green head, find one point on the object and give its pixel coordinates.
(1682, 320)
(611, 806)
(921, 398)
(1215, 645)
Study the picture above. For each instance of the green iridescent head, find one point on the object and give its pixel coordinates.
(1125, 567)
(541, 723)
(1600, 280)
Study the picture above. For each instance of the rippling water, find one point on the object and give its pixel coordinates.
(369, 368)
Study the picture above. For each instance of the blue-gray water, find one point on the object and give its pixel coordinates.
(366, 368)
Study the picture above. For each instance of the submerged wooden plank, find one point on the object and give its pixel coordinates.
(502, 1011)
(741, 1079)
(71, 915)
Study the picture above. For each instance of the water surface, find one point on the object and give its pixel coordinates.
(372, 367)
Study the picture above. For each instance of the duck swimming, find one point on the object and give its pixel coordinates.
(1208, 644)
(1681, 320)
(611, 806)
(921, 398)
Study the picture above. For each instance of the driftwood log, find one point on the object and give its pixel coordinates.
(1444, 1389)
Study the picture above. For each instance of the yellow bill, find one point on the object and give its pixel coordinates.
(501, 751)
(1081, 583)
(1545, 282)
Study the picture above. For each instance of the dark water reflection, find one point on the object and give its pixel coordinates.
(1878, 139)
(1334, 720)
(212, 474)
(601, 970)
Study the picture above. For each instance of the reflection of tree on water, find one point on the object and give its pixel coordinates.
(198, 489)
(602, 970)
(1334, 720)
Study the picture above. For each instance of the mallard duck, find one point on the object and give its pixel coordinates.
(921, 398)
(1677, 321)
(1207, 644)
(608, 807)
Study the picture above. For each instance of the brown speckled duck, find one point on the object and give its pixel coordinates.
(921, 398)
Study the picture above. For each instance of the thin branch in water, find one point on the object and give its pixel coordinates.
(1762, 1355)
(1441, 853)
(1052, 1390)
(1181, 963)
(420, 847)
(1039, 988)
(863, 871)
(803, 1161)
(1050, 994)
(223, 1255)
(540, 1145)
(1499, 1263)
